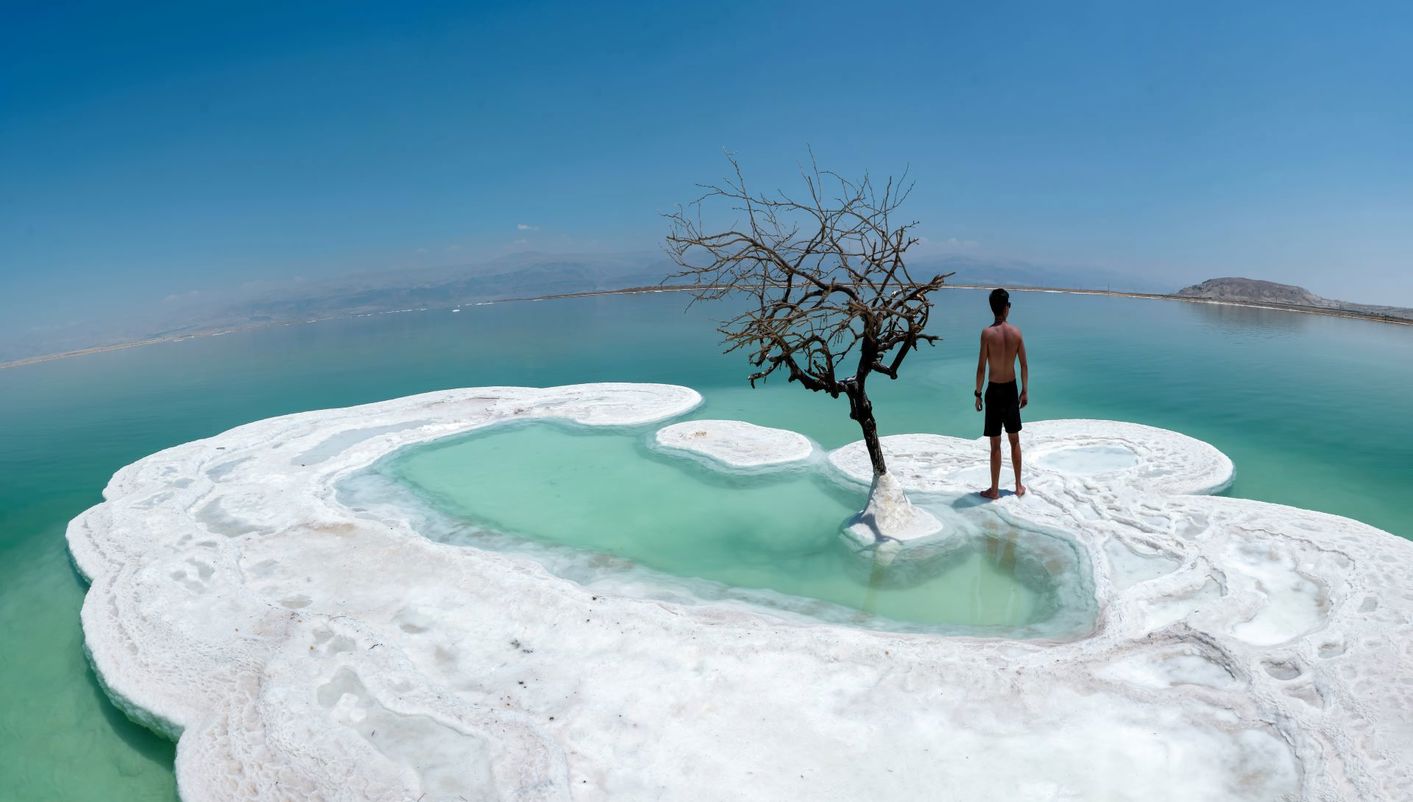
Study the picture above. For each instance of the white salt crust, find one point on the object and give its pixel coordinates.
(305, 650)
(736, 444)
(1099, 452)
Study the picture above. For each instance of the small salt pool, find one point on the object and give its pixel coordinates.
(1089, 460)
(600, 506)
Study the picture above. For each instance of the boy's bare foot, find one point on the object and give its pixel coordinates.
(1020, 490)
(992, 494)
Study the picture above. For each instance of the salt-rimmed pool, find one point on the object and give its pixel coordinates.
(272, 576)
(603, 507)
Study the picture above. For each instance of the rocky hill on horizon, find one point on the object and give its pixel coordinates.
(1234, 289)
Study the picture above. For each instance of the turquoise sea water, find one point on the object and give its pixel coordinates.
(1314, 411)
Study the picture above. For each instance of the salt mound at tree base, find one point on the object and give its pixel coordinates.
(890, 523)
(302, 649)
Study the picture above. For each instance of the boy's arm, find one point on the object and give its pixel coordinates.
(980, 370)
(1025, 372)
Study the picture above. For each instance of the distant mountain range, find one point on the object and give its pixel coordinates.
(1269, 293)
(1017, 273)
(520, 275)
(536, 274)
(515, 276)
(528, 274)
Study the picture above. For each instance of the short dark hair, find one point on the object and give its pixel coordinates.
(1000, 299)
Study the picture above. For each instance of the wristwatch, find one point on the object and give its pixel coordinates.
(977, 393)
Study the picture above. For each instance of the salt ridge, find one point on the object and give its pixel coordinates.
(304, 649)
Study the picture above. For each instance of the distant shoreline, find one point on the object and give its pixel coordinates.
(1162, 296)
(1152, 296)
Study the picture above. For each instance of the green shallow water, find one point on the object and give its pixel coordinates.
(1314, 411)
(605, 492)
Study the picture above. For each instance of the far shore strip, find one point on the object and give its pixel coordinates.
(1152, 296)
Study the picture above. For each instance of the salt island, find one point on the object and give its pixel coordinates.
(300, 645)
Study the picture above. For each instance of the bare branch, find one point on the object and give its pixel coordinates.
(827, 279)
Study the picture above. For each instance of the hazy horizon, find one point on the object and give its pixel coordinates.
(520, 274)
(166, 159)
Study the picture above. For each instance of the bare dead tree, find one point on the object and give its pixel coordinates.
(832, 299)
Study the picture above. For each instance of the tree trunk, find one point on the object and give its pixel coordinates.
(861, 410)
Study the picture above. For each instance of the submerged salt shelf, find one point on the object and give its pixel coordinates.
(304, 648)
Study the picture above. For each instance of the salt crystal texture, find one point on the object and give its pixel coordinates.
(304, 649)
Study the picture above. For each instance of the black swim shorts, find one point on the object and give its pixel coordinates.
(1002, 408)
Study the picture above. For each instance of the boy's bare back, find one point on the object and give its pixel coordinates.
(1001, 344)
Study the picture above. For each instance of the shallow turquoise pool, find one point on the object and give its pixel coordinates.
(767, 538)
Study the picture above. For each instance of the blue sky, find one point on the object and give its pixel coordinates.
(149, 150)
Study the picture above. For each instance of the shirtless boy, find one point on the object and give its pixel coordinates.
(1001, 344)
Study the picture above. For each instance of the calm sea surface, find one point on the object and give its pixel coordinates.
(1315, 412)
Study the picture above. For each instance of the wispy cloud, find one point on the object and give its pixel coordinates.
(526, 227)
